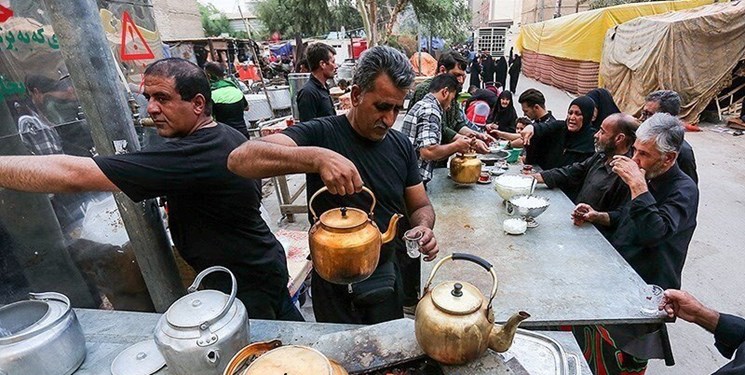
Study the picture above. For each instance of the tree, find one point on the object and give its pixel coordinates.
(445, 18)
(214, 22)
(294, 17)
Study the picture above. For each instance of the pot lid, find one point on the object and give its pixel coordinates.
(457, 297)
(142, 358)
(344, 218)
(195, 308)
(290, 360)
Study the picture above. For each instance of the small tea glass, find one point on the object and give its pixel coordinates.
(652, 298)
(412, 238)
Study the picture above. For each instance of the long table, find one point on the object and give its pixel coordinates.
(558, 272)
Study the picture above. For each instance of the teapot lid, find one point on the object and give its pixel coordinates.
(290, 359)
(193, 309)
(344, 218)
(457, 297)
(142, 358)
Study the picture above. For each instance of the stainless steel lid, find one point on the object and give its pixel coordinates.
(195, 308)
(142, 358)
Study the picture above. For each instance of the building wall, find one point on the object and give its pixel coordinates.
(506, 14)
(178, 19)
(542, 10)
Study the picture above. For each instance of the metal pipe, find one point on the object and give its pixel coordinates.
(85, 50)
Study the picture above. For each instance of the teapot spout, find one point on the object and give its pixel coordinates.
(500, 338)
(391, 232)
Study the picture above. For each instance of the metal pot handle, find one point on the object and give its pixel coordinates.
(233, 291)
(323, 189)
(473, 259)
(533, 185)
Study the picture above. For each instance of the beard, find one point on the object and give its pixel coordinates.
(607, 149)
(655, 170)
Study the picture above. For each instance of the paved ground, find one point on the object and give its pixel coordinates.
(713, 270)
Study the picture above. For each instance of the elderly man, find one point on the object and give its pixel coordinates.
(213, 214)
(668, 101)
(652, 232)
(593, 179)
(344, 153)
(314, 99)
(455, 124)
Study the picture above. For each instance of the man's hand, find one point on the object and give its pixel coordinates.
(687, 307)
(462, 144)
(491, 127)
(480, 146)
(428, 243)
(582, 213)
(339, 174)
(630, 173)
(527, 134)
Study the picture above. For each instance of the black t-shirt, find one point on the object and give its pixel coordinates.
(387, 168)
(231, 114)
(314, 101)
(214, 214)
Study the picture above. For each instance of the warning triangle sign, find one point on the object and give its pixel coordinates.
(134, 46)
(5, 13)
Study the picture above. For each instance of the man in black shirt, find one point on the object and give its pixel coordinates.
(344, 153)
(314, 100)
(668, 101)
(213, 214)
(533, 104)
(653, 230)
(228, 102)
(593, 178)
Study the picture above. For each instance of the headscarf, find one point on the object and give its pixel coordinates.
(604, 104)
(501, 71)
(482, 94)
(582, 141)
(505, 118)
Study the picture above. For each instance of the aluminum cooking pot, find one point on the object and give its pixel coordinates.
(203, 329)
(40, 336)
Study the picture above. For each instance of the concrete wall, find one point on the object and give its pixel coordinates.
(542, 10)
(178, 19)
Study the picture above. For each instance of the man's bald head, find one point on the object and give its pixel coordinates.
(616, 134)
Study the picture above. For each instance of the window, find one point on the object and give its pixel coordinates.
(492, 39)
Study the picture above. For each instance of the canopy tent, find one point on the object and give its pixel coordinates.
(565, 52)
(580, 36)
(693, 52)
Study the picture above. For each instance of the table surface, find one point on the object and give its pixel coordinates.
(558, 272)
(109, 332)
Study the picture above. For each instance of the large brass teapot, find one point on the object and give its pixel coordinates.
(454, 324)
(345, 242)
(465, 168)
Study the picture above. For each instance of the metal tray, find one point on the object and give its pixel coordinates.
(541, 355)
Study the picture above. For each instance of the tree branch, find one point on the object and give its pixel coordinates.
(400, 6)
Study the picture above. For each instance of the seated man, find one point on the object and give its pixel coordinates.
(423, 122)
(651, 232)
(668, 101)
(593, 180)
(728, 330)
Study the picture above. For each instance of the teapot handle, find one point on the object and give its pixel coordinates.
(233, 291)
(323, 189)
(471, 258)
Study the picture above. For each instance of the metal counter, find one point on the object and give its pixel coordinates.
(558, 272)
(109, 332)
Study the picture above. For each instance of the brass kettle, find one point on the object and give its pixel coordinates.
(454, 324)
(345, 242)
(465, 168)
